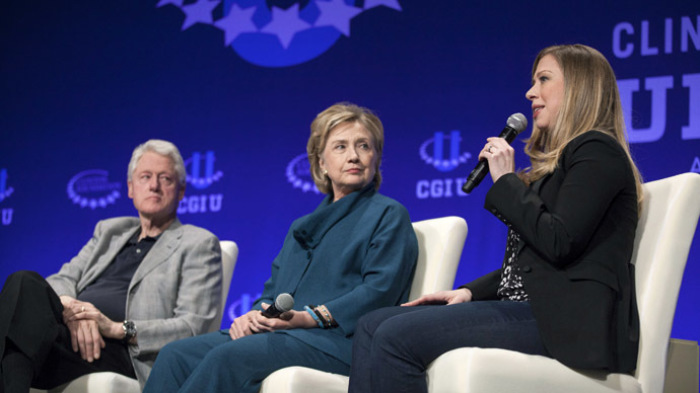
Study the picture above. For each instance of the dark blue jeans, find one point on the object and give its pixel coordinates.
(393, 346)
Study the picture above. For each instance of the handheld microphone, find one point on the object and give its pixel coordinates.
(515, 125)
(283, 303)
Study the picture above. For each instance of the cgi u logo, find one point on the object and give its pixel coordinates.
(438, 159)
(4, 193)
(201, 203)
(210, 177)
(438, 151)
(6, 216)
(3, 182)
(442, 187)
(4, 190)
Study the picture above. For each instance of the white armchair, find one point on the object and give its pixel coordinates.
(664, 235)
(109, 382)
(440, 243)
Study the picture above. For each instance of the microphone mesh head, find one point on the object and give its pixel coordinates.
(517, 121)
(284, 302)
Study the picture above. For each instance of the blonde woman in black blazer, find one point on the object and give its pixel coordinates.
(566, 288)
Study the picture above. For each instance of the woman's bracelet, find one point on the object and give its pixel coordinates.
(321, 315)
(326, 316)
(311, 312)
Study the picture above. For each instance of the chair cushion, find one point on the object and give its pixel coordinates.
(302, 379)
(483, 370)
(105, 382)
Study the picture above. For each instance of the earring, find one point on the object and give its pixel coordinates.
(325, 172)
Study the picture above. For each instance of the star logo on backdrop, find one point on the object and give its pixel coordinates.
(237, 21)
(199, 12)
(285, 24)
(300, 33)
(337, 14)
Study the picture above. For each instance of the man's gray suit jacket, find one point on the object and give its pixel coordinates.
(174, 293)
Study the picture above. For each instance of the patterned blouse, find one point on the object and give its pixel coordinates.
(511, 285)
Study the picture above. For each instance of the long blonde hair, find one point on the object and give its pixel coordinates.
(591, 102)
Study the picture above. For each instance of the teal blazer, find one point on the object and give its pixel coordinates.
(353, 256)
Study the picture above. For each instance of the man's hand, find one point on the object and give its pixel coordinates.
(88, 326)
(85, 337)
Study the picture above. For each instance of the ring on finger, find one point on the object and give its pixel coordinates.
(489, 149)
(82, 309)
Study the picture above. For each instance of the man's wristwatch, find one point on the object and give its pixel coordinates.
(129, 330)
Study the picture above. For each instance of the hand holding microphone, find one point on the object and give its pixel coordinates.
(251, 323)
(283, 303)
(515, 125)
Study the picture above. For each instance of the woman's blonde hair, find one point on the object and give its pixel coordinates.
(321, 128)
(591, 102)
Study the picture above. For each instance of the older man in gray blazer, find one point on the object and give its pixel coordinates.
(138, 284)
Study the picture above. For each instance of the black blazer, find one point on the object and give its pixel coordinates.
(577, 228)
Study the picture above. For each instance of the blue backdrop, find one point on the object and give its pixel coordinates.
(236, 83)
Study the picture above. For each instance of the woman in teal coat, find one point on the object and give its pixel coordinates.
(356, 252)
